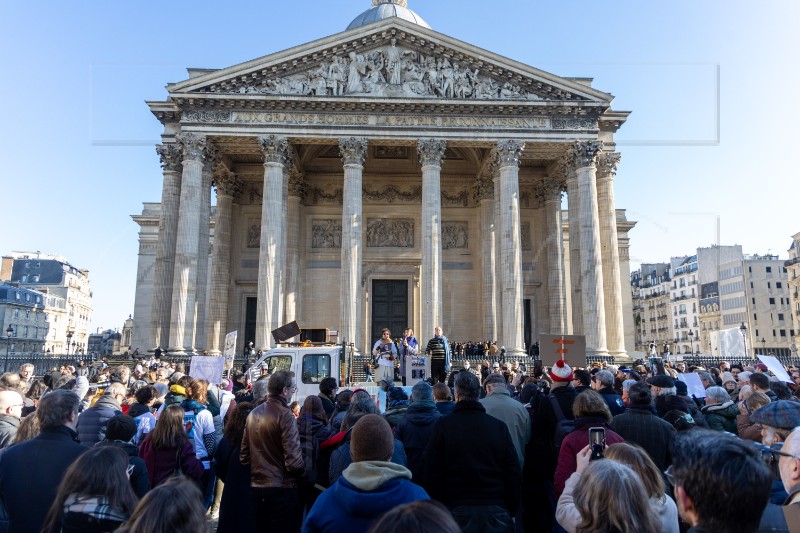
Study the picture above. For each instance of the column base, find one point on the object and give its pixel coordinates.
(620, 353)
(597, 354)
(214, 353)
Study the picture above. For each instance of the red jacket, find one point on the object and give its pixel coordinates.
(161, 464)
(575, 442)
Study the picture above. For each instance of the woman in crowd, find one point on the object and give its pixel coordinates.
(591, 411)
(720, 411)
(421, 516)
(313, 429)
(173, 507)
(94, 495)
(730, 384)
(119, 433)
(235, 509)
(603, 497)
(747, 429)
(199, 422)
(167, 449)
(637, 459)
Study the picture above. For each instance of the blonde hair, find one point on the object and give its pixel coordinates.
(635, 457)
(610, 497)
(756, 400)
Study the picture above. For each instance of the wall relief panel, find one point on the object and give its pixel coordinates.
(455, 235)
(390, 233)
(326, 234)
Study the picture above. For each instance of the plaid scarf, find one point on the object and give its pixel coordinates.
(97, 507)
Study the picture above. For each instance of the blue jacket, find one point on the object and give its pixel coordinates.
(364, 492)
(30, 473)
(92, 423)
(414, 430)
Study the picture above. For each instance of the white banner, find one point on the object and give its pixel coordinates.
(775, 367)
(230, 347)
(731, 343)
(693, 385)
(207, 368)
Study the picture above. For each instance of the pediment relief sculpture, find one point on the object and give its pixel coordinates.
(395, 71)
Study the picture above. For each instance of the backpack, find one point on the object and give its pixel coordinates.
(564, 426)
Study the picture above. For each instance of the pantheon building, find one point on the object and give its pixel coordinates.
(387, 175)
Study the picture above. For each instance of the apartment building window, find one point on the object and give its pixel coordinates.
(754, 301)
(773, 333)
(16, 313)
(780, 316)
(769, 269)
(778, 285)
(750, 269)
(772, 301)
(783, 333)
(756, 333)
(769, 285)
(751, 285)
(755, 317)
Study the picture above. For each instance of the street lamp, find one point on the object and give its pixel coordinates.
(763, 346)
(743, 329)
(69, 338)
(9, 332)
(691, 344)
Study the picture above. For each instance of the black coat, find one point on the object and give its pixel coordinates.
(471, 460)
(638, 425)
(235, 508)
(139, 480)
(445, 408)
(414, 430)
(327, 405)
(30, 473)
(613, 401)
(541, 454)
(92, 423)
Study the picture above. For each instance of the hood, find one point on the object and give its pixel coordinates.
(422, 413)
(371, 475)
(137, 409)
(727, 409)
(107, 402)
(81, 386)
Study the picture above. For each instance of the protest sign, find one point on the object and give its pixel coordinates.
(207, 368)
(693, 384)
(229, 351)
(571, 347)
(775, 367)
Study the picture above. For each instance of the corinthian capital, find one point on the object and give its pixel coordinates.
(584, 154)
(193, 144)
(227, 182)
(509, 153)
(549, 190)
(170, 155)
(274, 148)
(483, 189)
(297, 183)
(607, 164)
(431, 152)
(212, 157)
(353, 151)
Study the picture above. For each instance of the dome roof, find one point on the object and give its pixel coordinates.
(384, 9)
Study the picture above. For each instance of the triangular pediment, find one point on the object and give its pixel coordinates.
(392, 58)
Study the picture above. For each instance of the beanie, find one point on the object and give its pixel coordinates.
(121, 427)
(371, 439)
(561, 371)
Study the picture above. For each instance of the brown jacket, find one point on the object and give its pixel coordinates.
(271, 446)
(747, 429)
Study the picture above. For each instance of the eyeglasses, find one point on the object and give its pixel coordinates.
(776, 452)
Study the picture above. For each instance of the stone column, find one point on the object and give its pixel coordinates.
(484, 196)
(431, 153)
(296, 190)
(612, 284)
(228, 185)
(269, 297)
(184, 295)
(510, 263)
(497, 210)
(164, 269)
(549, 193)
(594, 313)
(573, 213)
(354, 153)
(203, 245)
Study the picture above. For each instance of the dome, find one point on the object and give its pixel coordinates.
(384, 9)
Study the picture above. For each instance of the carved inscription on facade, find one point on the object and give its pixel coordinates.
(525, 236)
(455, 235)
(326, 234)
(254, 236)
(390, 233)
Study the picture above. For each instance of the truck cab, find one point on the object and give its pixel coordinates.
(310, 364)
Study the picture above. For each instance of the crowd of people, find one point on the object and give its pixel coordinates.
(496, 447)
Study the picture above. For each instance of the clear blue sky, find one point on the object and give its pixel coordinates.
(77, 141)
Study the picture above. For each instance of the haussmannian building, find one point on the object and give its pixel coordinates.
(388, 175)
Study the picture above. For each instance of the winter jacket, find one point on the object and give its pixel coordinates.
(340, 458)
(394, 414)
(722, 417)
(640, 426)
(513, 414)
(327, 404)
(365, 491)
(746, 429)
(92, 422)
(235, 508)
(414, 430)
(568, 517)
(445, 408)
(140, 483)
(544, 454)
(613, 400)
(8, 429)
(161, 464)
(312, 433)
(574, 442)
(692, 409)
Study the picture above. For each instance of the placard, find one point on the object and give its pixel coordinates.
(693, 384)
(230, 348)
(775, 367)
(418, 368)
(572, 347)
(207, 368)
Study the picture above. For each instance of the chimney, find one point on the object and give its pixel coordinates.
(6, 267)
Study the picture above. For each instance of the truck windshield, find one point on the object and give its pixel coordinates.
(316, 367)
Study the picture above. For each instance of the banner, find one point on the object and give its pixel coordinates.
(572, 347)
(230, 348)
(776, 368)
(207, 368)
(693, 385)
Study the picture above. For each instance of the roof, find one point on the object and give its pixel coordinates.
(384, 9)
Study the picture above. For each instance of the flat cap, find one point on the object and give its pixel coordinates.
(781, 414)
(664, 382)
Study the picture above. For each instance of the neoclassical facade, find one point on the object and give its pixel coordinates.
(388, 175)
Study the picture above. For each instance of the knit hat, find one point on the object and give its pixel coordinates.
(371, 439)
(663, 382)
(396, 396)
(561, 371)
(681, 388)
(121, 427)
(762, 367)
(726, 377)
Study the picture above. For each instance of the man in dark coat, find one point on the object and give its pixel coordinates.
(30, 472)
(471, 465)
(640, 426)
(603, 383)
(327, 393)
(92, 422)
(415, 428)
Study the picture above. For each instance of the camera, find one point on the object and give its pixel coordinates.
(597, 440)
